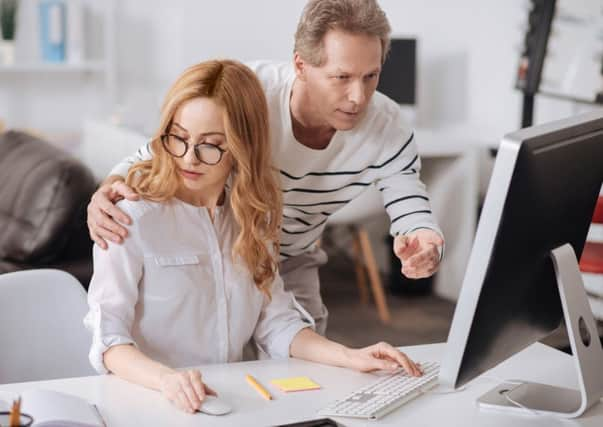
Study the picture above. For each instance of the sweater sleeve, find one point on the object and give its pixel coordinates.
(144, 153)
(404, 194)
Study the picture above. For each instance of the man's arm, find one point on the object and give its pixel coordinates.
(103, 217)
(418, 240)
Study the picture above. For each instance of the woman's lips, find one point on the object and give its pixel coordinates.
(190, 174)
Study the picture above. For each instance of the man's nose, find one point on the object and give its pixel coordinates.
(356, 93)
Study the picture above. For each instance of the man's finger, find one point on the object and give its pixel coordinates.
(105, 227)
(105, 205)
(125, 191)
(98, 240)
(409, 246)
(424, 258)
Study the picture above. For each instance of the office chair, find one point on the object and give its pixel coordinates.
(354, 215)
(41, 330)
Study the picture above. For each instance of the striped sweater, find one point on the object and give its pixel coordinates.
(380, 151)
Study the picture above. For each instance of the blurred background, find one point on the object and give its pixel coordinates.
(88, 77)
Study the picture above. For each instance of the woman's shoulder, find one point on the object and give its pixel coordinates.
(136, 209)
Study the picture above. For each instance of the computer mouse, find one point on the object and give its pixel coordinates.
(212, 405)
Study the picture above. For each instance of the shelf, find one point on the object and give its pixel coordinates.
(89, 66)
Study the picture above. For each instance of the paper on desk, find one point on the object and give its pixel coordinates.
(51, 408)
(295, 384)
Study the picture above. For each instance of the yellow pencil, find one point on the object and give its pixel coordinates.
(253, 383)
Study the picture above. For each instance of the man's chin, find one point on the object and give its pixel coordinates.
(345, 124)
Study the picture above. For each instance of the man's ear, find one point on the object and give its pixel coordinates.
(300, 67)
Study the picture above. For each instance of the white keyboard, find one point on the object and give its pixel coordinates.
(383, 396)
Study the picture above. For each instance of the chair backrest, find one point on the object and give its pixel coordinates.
(42, 335)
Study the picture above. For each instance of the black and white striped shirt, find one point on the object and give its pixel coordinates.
(380, 150)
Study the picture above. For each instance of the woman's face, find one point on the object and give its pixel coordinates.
(200, 122)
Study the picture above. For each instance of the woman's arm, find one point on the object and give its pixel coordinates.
(311, 346)
(185, 389)
(131, 364)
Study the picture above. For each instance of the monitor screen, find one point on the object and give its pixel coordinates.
(398, 74)
(542, 195)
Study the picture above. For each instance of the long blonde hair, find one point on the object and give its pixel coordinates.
(255, 196)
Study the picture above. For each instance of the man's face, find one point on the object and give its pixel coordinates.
(341, 88)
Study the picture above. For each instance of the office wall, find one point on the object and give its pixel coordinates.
(467, 59)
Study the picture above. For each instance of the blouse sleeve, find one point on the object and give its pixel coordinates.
(112, 296)
(282, 317)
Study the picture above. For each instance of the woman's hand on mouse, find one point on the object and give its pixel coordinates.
(185, 389)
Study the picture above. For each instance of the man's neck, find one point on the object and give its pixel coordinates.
(308, 128)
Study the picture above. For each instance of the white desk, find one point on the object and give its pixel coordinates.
(124, 404)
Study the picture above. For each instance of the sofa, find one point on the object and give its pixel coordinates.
(44, 192)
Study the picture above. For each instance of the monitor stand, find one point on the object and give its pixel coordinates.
(586, 349)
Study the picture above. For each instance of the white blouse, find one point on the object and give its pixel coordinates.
(173, 290)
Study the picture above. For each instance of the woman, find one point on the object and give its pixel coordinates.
(197, 279)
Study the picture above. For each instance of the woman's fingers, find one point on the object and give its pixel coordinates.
(189, 391)
(197, 383)
(182, 402)
(209, 390)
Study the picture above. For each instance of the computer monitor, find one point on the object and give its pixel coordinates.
(398, 74)
(522, 277)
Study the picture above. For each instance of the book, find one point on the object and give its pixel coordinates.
(53, 409)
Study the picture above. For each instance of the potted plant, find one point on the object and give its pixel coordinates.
(8, 24)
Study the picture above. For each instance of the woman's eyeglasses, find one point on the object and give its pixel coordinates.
(205, 152)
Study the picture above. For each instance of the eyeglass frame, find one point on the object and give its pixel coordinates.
(165, 136)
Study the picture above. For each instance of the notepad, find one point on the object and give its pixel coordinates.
(295, 384)
(53, 409)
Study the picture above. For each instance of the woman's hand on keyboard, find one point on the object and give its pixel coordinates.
(381, 356)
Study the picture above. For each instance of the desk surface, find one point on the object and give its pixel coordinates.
(125, 404)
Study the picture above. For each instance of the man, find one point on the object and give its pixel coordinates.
(332, 136)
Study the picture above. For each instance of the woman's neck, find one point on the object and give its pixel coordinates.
(208, 198)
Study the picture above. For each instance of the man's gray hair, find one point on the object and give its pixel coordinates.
(353, 16)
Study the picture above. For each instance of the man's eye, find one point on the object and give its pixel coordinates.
(341, 77)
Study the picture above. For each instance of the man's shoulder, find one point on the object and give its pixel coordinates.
(272, 74)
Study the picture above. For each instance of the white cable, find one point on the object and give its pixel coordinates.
(505, 393)
(451, 391)
(525, 408)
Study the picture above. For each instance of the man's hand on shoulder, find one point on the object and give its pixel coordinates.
(104, 217)
(420, 252)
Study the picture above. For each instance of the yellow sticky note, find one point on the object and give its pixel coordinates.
(295, 384)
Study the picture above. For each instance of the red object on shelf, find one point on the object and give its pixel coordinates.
(592, 258)
(598, 216)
